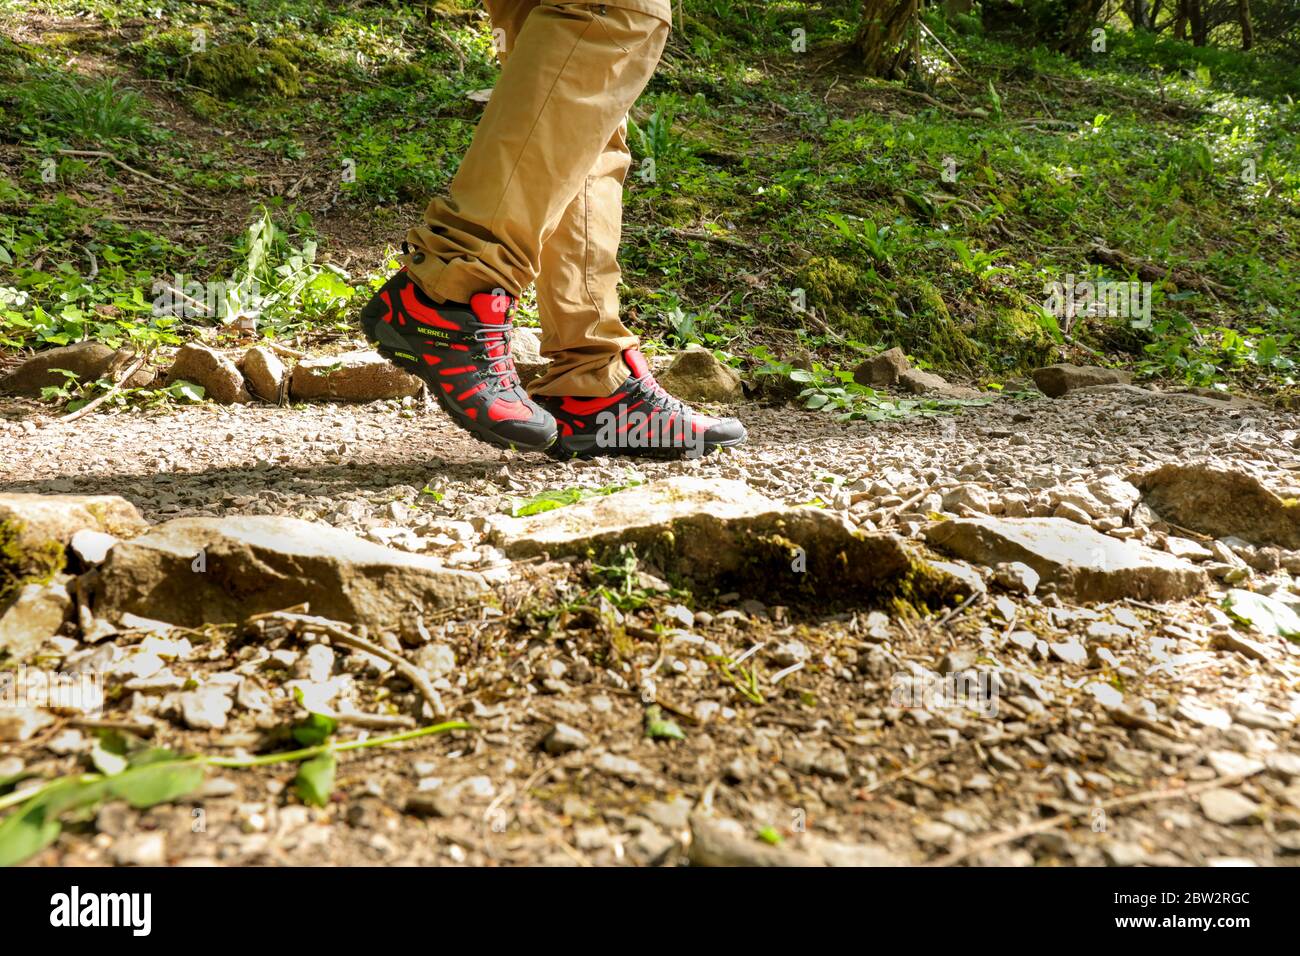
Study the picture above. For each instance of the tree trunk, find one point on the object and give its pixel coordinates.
(885, 36)
(1139, 14)
(1180, 20)
(1196, 16)
(1247, 28)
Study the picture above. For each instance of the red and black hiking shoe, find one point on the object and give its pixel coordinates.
(638, 419)
(462, 351)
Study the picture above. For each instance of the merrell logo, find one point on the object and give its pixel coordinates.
(103, 909)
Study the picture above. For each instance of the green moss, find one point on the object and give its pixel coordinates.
(239, 70)
(22, 564)
(910, 311)
(1015, 338)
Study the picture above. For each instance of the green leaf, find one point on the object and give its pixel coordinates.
(315, 780)
(26, 832)
(657, 727)
(770, 835)
(315, 730)
(153, 783)
(1264, 614)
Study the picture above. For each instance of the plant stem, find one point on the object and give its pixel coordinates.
(309, 752)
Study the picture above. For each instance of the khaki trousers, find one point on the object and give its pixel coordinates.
(538, 197)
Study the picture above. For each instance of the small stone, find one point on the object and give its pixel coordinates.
(1187, 549)
(968, 497)
(882, 369)
(1016, 577)
(1057, 380)
(141, 849)
(564, 739)
(91, 547)
(934, 833)
(208, 368)
(1069, 652)
(361, 376)
(265, 373)
(832, 763)
(696, 375)
(791, 652)
(959, 660)
(1124, 854)
(205, 708)
(651, 847)
(1228, 807)
(20, 723)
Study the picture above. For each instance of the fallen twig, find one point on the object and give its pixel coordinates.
(117, 387)
(104, 154)
(1133, 799)
(336, 631)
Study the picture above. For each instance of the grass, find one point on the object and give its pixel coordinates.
(780, 202)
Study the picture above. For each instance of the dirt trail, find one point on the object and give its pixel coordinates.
(827, 766)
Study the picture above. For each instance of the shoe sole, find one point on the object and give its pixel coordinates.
(389, 343)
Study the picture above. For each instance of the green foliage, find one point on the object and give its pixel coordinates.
(558, 498)
(315, 780)
(94, 114)
(241, 70)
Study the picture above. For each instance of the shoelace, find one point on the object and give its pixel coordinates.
(503, 366)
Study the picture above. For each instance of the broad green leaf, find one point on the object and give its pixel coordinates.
(26, 832)
(156, 783)
(315, 780)
(315, 730)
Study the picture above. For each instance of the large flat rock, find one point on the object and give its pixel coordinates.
(1221, 503)
(192, 571)
(36, 529)
(722, 533)
(1081, 563)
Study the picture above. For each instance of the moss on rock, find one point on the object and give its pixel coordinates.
(240, 70)
(22, 563)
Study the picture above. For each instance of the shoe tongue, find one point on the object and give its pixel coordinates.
(491, 308)
(636, 363)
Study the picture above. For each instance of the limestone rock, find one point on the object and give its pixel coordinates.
(20, 723)
(34, 614)
(696, 376)
(264, 372)
(1056, 380)
(351, 377)
(35, 530)
(526, 349)
(1221, 503)
(90, 360)
(936, 386)
(1082, 564)
(724, 533)
(191, 571)
(207, 367)
(882, 369)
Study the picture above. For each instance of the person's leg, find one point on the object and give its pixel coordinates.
(572, 74)
(567, 81)
(577, 288)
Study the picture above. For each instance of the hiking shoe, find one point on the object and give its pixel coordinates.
(462, 352)
(638, 419)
